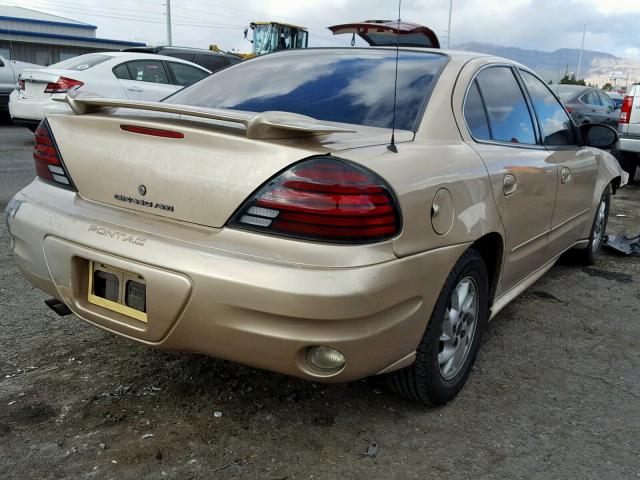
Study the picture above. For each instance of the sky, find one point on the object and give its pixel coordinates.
(612, 25)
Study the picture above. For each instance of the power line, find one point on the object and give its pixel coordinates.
(185, 22)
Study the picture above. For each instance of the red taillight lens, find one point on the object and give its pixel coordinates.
(625, 112)
(49, 165)
(63, 85)
(569, 109)
(323, 199)
(21, 84)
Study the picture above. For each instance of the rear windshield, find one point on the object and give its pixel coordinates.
(348, 85)
(82, 62)
(566, 93)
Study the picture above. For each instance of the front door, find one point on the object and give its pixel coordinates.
(577, 167)
(523, 173)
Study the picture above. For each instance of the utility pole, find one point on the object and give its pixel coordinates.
(168, 4)
(449, 28)
(584, 32)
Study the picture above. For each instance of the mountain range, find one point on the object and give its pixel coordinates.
(597, 67)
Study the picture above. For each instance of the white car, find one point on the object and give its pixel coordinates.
(128, 75)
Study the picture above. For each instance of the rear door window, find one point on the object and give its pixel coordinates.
(591, 98)
(475, 114)
(555, 124)
(186, 74)
(148, 71)
(509, 117)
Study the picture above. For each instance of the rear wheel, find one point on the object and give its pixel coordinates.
(589, 255)
(451, 341)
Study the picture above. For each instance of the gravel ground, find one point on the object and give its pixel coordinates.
(555, 393)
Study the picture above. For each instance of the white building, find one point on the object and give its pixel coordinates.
(36, 37)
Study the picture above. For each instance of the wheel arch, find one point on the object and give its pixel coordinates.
(491, 248)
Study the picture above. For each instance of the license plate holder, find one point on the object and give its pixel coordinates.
(117, 290)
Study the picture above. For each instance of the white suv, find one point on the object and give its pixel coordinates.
(629, 130)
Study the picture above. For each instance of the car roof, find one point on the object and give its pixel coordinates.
(201, 51)
(149, 56)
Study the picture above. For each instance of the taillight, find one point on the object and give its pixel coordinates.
(49, 164)
(63, 85)
(569, 109)
(323, 199)
(625, 112)
(21, 84)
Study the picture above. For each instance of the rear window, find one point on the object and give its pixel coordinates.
(83, 62)
(353, 86)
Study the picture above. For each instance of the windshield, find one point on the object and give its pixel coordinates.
(353, 86)
(82, 62)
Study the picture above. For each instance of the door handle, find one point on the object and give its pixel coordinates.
(565, 175)
(509, 184)
(134, 89)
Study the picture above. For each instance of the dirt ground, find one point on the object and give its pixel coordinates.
(555, 393)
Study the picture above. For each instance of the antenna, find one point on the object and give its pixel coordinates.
(392, 146)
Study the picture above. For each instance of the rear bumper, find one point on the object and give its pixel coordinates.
(204, 297)
(628, 143)
(34, 109)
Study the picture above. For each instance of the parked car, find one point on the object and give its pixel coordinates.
(136, 76)
(208, 59)
(296, 224)
(9, 72)
(628, 147)
(587, 104)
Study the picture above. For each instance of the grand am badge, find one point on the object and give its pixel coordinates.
(116, 235)
(142, 202)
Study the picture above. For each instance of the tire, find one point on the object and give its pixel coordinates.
(589, 255)
(424, 380)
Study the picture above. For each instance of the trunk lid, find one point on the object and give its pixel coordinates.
(200, 178)
(36, 80)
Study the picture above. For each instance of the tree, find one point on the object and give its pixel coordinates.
(607, 87)
(571, 80)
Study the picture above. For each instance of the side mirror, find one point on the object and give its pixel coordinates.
(598, 136)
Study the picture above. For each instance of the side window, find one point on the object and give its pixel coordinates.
(189, 57)
(211, 62)
(605, 100)
(557, 128)
(509, 117)
(122, 72)
(591, 98)
(186, 74)
(147, 71)
(475, 114)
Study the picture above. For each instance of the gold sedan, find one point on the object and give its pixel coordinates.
(298, 213)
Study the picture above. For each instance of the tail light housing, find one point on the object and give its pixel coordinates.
(62, 85)
(323, 199)
(21, 85)
(49, 164)
(568, 109)
(625, 112)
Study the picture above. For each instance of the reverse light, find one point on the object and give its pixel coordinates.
(323, 199)
(625, 112)
(62, 85)
(49, 164)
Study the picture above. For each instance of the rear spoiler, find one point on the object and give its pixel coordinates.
(266, 125)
